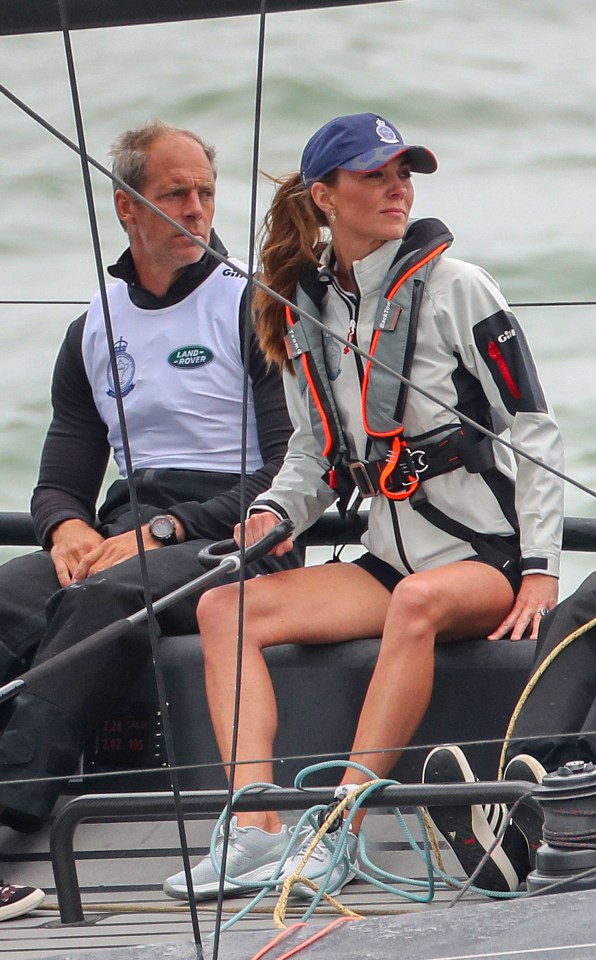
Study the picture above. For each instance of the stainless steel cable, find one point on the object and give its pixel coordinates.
(151, 621)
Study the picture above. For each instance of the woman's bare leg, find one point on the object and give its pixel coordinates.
(312, 605)
(454, 602)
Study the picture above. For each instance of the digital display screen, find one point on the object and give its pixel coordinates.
(129, 737)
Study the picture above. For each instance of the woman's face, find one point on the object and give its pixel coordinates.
(370, 208)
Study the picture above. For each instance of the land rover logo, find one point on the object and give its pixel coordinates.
(192, 356)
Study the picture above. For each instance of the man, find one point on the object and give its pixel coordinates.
(178, 320)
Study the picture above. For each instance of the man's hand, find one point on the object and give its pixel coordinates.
(255, 528)
(112, 551)
(71, 541)
(538, 593)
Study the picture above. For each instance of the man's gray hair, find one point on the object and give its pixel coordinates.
(129, 151)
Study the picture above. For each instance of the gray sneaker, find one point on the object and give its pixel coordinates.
(253, 856)
(317, 865)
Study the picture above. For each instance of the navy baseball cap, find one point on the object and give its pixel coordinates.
(360, 142)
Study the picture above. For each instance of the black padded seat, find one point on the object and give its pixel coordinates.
(320, 691)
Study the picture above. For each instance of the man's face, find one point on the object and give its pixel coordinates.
(180, 181)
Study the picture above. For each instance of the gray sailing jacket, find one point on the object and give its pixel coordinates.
(470, 353)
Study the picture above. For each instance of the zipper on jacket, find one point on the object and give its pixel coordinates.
(351, 301)
(496, 354)
(398, 538)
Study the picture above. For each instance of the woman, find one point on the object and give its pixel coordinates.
(445, 560)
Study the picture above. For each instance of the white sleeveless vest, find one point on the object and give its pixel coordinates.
(181, 376)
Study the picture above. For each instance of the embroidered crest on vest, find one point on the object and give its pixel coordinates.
(126, 370)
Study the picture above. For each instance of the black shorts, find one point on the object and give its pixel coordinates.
(389, 577)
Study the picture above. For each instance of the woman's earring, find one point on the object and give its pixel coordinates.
(332, 216)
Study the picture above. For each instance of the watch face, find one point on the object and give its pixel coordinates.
(162, 527)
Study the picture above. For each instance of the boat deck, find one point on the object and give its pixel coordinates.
(121, 868)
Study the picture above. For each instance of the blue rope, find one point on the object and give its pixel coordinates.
(436, 878)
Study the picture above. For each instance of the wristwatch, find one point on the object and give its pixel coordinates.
(163, 529)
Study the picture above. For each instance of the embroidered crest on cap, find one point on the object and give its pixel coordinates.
(385, 133)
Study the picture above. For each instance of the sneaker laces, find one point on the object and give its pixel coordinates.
(216, 853)
(318, 852)
(232, 832)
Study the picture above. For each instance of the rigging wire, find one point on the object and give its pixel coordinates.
(103, 775)
(555, 303)
(151, 621)
(243, 504)
(46, 303)
(537, 303)
(458, 414)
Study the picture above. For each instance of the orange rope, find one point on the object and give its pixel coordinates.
(307, 943)
(277, 939)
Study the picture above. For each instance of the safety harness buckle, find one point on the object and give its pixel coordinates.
(406, 468)
(359, 472)
(399, 477)
(396, 475)
(400, 472)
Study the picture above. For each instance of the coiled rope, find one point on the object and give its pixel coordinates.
(426, 849)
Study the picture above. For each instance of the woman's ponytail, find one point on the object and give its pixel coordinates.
(291, 237)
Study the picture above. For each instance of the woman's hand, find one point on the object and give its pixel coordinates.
(538, 594)
(255, 528)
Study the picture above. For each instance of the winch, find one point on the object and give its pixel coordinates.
(568, 799)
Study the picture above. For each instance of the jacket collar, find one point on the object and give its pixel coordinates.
(190, 278)
(369, 272)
